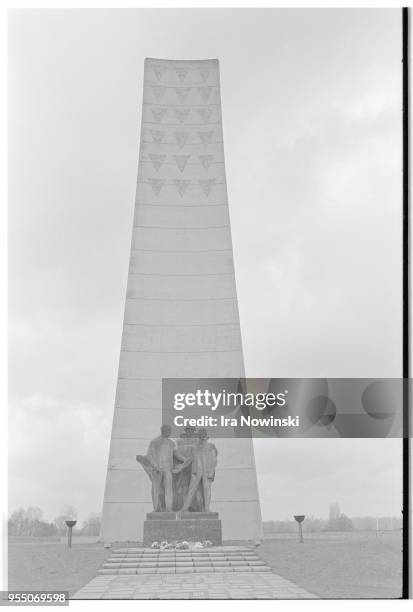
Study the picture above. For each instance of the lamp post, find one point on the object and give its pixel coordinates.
(70, 524)
(299, 518)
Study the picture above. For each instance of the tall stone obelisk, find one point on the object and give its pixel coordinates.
(181, 314)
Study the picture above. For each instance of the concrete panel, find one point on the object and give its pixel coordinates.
(182, 216)
(241, 520)
(124, 522)
(191, 165)
(139, 394)
(180, 365)
(178, 95)
(169, 194)
(219, 262)
(174, 118)
(134, 424)
(193, 145)
(128, 485)
(193, 154)
(181, 287)
(211, 239)
(123, 451)
(235, 453)
(164, 141)
(233, 485)
(220, 337)
(164, 70)
(181, 312)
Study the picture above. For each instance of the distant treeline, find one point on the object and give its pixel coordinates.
(341, 522)
(30, 522)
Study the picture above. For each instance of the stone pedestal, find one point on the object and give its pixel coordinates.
(190, 526)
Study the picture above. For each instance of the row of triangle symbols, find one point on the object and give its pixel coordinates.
(181, 72)
(181, 114)
(181, 93)
(181, 138)
(181, 185)
(181, 160)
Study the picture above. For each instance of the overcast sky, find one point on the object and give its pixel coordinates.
(312, 127)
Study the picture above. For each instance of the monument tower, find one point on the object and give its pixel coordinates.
(181, 314)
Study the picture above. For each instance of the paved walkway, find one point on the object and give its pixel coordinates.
(235, 585)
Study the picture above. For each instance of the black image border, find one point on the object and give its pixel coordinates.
(406, 302)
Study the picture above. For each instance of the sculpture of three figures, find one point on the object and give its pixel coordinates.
(181, 471)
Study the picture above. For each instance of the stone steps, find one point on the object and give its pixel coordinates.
(219, 559)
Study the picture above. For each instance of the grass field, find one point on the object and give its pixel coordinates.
(52, 566)
(339, 565)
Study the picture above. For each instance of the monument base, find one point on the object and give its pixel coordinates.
(189, 526)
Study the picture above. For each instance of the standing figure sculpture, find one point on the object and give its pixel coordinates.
(181, 480)
(203, 463)
(158, 463)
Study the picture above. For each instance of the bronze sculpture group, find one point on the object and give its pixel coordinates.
(181, 471)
